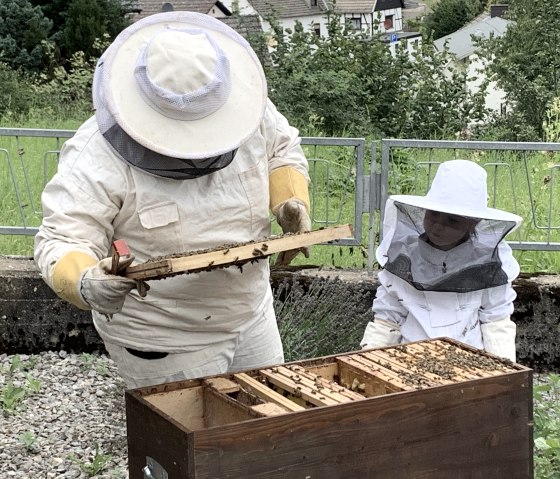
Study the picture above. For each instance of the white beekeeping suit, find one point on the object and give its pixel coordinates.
(185, 153)
(447, 270)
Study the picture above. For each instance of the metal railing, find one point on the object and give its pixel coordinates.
(336, 164)
(346, 181)
(15, 144)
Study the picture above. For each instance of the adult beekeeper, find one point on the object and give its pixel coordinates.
(185, 152)
(447, 269)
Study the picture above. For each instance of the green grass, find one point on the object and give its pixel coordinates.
(524, 184)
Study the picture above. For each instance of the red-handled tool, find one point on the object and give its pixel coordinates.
(118, 248)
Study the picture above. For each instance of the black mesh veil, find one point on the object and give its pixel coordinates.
(138, 155)
(474, 264)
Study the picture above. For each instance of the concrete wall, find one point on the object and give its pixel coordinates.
(34, 319)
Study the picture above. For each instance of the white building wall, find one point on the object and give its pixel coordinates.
(495, 97)
(411, 44)
(308, 23)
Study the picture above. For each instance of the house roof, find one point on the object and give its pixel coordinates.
(149, 7)
(287, 8)
(246, 25)
(388, 4)
(355, 6)
(460, 42)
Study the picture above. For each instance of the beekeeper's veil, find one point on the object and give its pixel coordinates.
(482, 261)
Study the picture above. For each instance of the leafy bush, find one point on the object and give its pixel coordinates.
(16, 97)
(546, 417)
(316, 320)
(351, 82)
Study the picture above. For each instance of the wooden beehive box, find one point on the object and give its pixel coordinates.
(431, 409)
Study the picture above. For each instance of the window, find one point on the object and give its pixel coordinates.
(313, 3)
(317, 29)
(356, 23)
(388, 22)
(167, 7)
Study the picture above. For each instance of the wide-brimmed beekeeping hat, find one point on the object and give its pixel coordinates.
(182, 85)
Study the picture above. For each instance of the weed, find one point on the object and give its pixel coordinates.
(28, 440)
(87, 361)
(32, 384)
(546, 415)
(97, 464)
(102, 370)
(15, 364)
(11, 396)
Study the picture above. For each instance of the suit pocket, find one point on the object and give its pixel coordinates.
(163, 228)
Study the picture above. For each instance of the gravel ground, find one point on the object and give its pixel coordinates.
(70, 422)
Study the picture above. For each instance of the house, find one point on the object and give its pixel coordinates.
(247, 25)
(371, 16)
(210, 7)
(383, 17)
(464, 50)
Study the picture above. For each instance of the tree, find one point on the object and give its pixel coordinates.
(449, 16)
(433, 99)
(84, 23)
(78, 23)
(23, 28)
(525, 62)
(349, 81)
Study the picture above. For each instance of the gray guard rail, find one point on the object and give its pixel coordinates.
(346, 182)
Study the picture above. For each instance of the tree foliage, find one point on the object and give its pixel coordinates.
(84, 23)
(525, 63)
(38, 35)
(23, 29)
(350, 82)
(346, 83)
(88, 20)
(449, 16)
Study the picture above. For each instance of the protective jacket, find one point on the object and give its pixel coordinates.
(464, 293)
(430, 314)
(96, 197)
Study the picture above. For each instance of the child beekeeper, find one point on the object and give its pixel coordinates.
(447, 270)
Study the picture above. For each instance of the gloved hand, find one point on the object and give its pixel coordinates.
(105, 292)
(293, 218)
(498, 337)
(380, 333)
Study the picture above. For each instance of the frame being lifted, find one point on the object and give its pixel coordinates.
(234, 255)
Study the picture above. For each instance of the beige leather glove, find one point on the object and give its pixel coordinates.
(499, 337)
(380, 333)
(289, 202)
(105, 292)
(293, 218)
